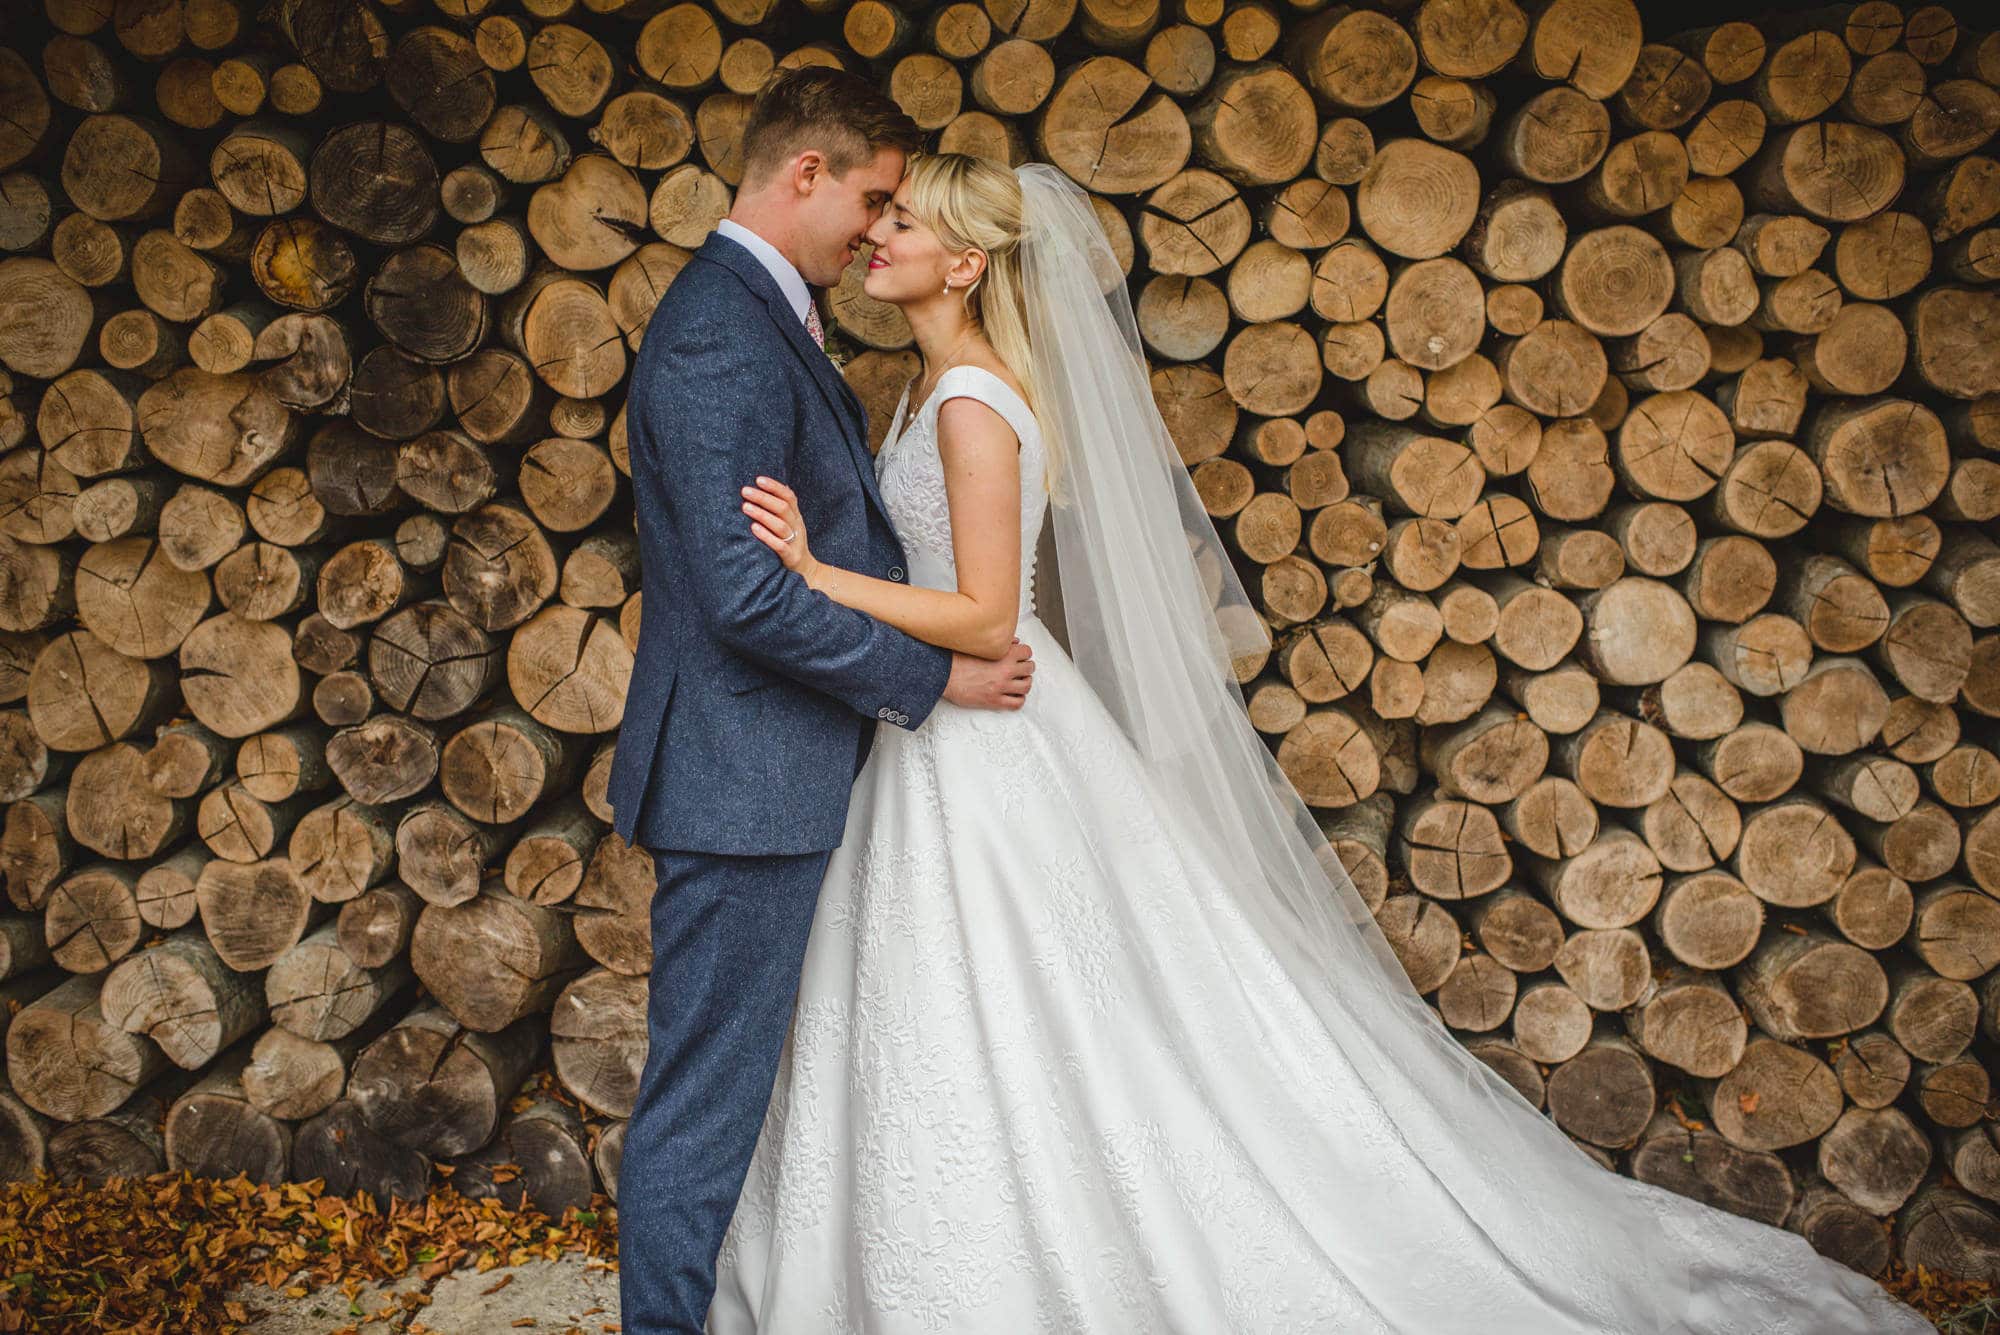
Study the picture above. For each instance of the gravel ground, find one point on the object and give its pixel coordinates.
(570, 1294)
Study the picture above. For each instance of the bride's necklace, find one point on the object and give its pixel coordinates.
(945, 364)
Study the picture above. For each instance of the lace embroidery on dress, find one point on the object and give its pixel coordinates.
(910, 473)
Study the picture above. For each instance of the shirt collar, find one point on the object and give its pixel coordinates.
(787, 275)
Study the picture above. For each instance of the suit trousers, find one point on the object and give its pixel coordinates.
(729, 939)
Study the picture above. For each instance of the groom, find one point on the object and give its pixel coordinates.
(754, 700)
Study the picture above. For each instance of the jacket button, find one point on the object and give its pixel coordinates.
(895, 572)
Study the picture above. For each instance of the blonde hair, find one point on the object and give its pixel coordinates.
(976, 202)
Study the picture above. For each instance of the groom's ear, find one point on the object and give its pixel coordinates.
(793, 174)
(809, 170)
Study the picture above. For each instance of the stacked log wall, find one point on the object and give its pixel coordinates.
(1605, 419)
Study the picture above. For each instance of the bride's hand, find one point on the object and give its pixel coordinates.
(773, 508)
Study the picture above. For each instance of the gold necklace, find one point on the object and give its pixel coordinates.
(922, 399)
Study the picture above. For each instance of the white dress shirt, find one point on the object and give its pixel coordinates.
(789, 281)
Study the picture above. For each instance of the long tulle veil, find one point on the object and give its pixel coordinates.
(1153, 614)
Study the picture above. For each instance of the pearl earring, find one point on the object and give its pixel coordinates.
(947, 284)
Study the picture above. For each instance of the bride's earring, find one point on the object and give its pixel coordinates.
(947, 284)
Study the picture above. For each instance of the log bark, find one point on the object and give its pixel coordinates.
(67, 1061)
(432, 1085)
(183, 996)
(599, 1040)
(213, 1130)
(318, 991)
(1689, 1158)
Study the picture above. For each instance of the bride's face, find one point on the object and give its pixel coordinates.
(910, 263)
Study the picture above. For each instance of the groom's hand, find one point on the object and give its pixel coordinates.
(991, 683)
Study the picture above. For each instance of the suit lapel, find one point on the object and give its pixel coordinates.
(839, 396)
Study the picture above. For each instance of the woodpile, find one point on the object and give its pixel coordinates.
(1607, 422)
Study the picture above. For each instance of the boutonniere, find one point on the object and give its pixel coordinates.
(838, 359)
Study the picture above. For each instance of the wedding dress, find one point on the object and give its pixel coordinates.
(1038, 1082)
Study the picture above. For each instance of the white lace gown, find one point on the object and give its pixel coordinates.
(1037, 1081)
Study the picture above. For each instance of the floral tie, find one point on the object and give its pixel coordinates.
(812, 322)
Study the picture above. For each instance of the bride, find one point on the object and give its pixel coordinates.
(1093, 1034)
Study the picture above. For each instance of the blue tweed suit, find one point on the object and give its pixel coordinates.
(753, 704)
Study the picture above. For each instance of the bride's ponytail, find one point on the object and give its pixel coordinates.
(976, 202)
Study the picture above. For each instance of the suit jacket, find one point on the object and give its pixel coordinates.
(754, 699)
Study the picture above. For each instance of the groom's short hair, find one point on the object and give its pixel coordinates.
(813, 106)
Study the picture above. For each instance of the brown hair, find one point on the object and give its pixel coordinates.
(813, 106)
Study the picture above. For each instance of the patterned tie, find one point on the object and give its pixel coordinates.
(812, 323)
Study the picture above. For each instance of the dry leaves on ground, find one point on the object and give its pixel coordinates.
(155, 1254)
